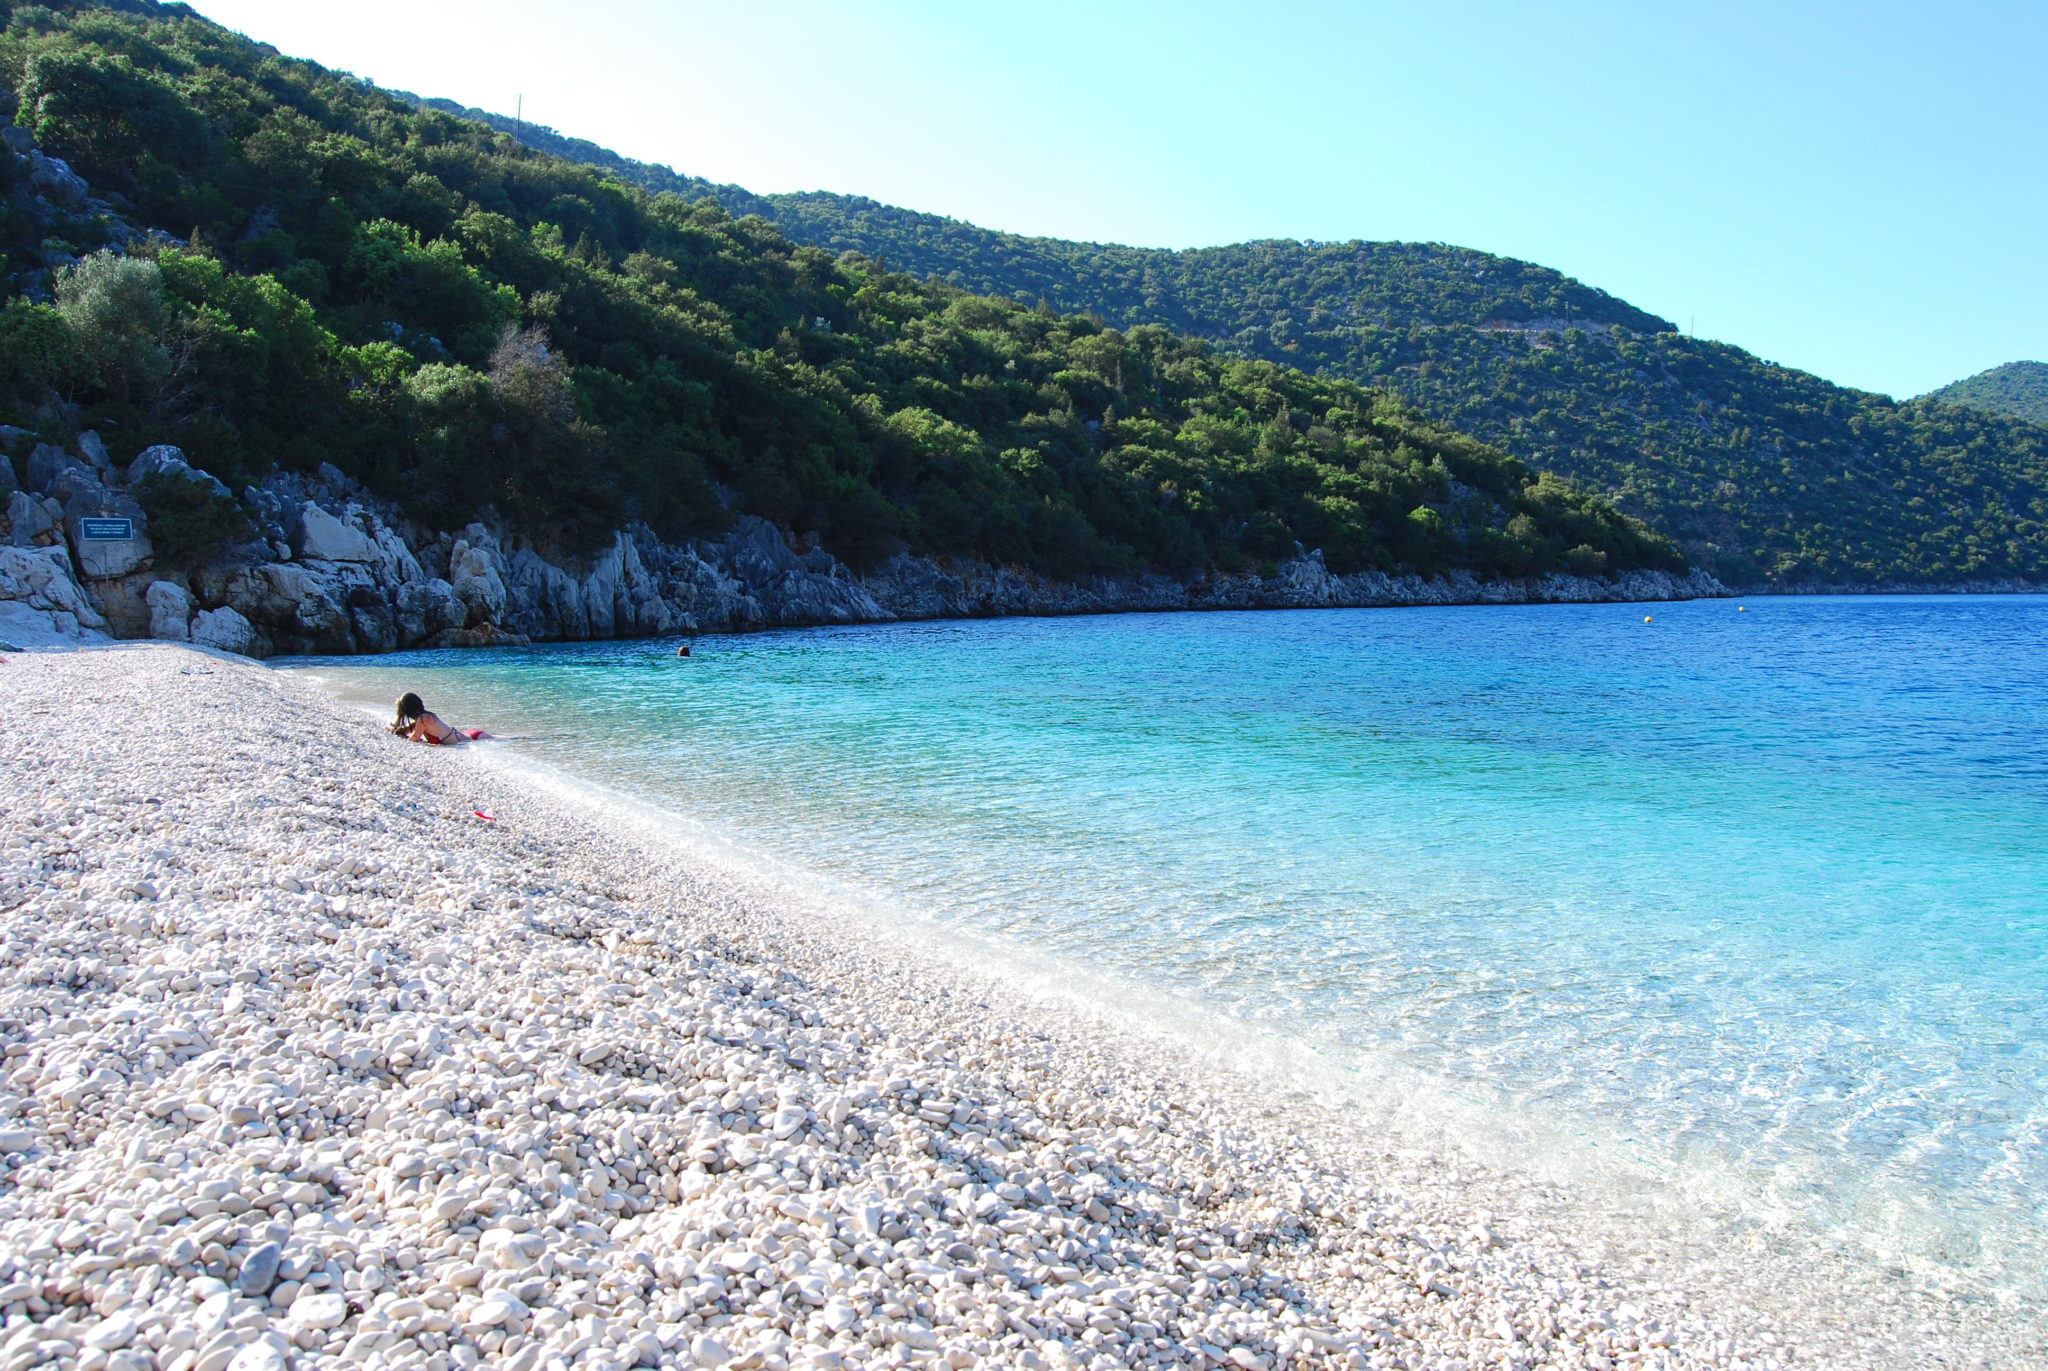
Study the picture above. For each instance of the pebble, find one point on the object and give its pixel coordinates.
(259, 1356)
(259, 1270)
(497, 1309)
(328, 1309)
(116, 1332)
(302, 1073)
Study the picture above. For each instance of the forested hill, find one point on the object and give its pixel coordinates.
(1274, 288)
(1763, 473)
(2017, 388)
(310, 270)
(648, 177)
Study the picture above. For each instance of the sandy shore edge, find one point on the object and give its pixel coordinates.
(309, 1064)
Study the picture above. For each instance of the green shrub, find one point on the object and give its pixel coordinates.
(190, 523)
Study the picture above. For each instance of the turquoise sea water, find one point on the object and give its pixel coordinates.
(1751, 900)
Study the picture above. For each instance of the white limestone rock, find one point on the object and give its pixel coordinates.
(299, 608)
(327, 537)
(328, 1309)
(225, 629)
(170, 611)
(164, 462)
(84, 496)
(476, 575)
(33, 521)
(424, 608)
(41, 601)
(54, 179)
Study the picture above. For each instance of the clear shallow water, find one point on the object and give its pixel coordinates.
(1754, 900)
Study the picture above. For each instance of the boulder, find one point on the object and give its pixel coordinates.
(476, 574)
(56, 182)
(33, 522)
(324, 537)
(94, 450)
(40, 601)
(22, 626)
(275, 515)
(44, 465)
(163, 460)
(84, 498)
(170, 610)
(396, 564)
(124, 602)
(423, 609)
(300, 608)
(8, 485)
(369, 615)
(225, 629)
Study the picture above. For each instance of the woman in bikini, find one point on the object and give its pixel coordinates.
(416, 723)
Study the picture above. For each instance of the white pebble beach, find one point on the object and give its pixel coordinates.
(309, 1065)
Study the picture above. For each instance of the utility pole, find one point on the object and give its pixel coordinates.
(519, 116)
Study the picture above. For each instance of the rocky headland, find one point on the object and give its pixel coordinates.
(327, 569)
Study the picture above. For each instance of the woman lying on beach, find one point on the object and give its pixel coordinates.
(418, 724)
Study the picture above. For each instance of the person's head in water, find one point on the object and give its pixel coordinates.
(410, 707)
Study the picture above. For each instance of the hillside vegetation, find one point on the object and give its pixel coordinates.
(340, 275)
(1762, 473)
(2017, 388)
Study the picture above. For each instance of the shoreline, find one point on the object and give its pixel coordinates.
(938, 1142)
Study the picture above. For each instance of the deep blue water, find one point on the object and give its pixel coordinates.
(1750, 899)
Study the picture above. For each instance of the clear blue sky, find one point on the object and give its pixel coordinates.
(1860, 190)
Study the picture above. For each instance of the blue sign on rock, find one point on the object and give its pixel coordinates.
(105, 530)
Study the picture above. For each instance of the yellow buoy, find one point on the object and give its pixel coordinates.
(1646, 618)
(1739, 609)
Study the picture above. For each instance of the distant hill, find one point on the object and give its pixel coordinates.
(2018, 388)
(1763, 473)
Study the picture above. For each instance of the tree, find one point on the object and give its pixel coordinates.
(549, 456)
(119, 323)
(106, 115)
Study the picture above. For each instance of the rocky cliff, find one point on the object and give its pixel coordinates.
(328, 569)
